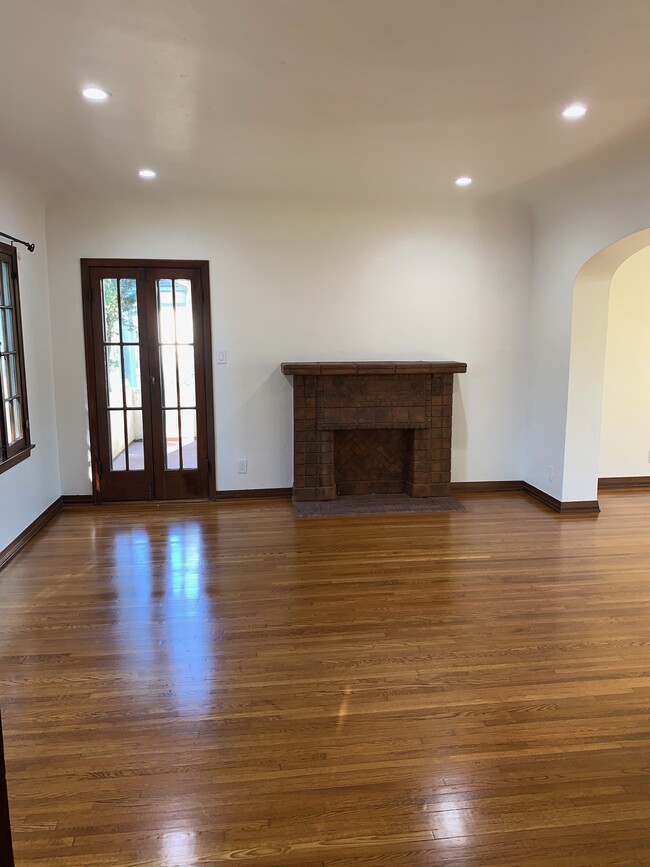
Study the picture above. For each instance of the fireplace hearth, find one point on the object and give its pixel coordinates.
(363, 428)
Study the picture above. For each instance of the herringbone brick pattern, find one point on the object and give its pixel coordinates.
(372, 461)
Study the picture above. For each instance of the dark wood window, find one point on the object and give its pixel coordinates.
(14, 419)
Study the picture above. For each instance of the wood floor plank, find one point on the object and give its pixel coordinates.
(196, 684)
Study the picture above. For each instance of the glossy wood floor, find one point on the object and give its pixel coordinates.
(193, 685)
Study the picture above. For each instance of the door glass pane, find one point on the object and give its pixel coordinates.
(184, 320)
(188, 433)
(166, 329)
(176, 336)
(4, 340)
(129, 304)
(186, 376)
(116, 434)
(133, 384)
(168, 370)
(172, 454)
(114, 377)
(136, 448)
(123, 373)
(5, 297)
(111, 311)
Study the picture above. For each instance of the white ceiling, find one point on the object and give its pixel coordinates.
(337, 97)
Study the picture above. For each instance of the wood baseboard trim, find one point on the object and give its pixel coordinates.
(28, 533)
(541, 496)
(623, 482)
(586, 507)
(77, 499)
(256, 494)
(575, 507)
(485, 487)
(580, 507)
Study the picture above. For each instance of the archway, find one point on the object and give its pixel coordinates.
(587, 366)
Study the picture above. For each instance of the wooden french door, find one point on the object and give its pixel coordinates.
(148, 357)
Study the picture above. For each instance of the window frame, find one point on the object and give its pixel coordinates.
(14, 453)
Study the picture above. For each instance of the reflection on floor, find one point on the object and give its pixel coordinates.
(206, 684)
(136, 455)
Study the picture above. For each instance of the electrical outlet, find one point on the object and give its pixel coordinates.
(222, 356)
(242, 465)
(551, 473)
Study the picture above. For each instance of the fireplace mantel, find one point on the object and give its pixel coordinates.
(364, 427)
(352, 368)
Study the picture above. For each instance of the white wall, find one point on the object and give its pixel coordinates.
(29, 488)
(577, 214)
(294, 281)
(625, 434)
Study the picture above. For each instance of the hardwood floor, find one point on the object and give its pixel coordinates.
(198, 684)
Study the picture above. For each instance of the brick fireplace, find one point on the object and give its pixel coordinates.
(372, 428)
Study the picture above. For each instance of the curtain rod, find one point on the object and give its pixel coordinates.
(28, 244)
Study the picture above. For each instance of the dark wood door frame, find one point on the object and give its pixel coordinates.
(91, 367)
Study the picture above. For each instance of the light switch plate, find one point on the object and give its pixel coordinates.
(222, 356)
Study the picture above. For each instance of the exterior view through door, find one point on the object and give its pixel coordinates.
(149, 370)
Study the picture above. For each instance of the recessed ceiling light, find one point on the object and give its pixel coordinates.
(574, 111)
(463, 182)
(94, 93)
(147, 174)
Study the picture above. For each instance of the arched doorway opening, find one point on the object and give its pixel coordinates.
(587, 366)
(625, 431)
